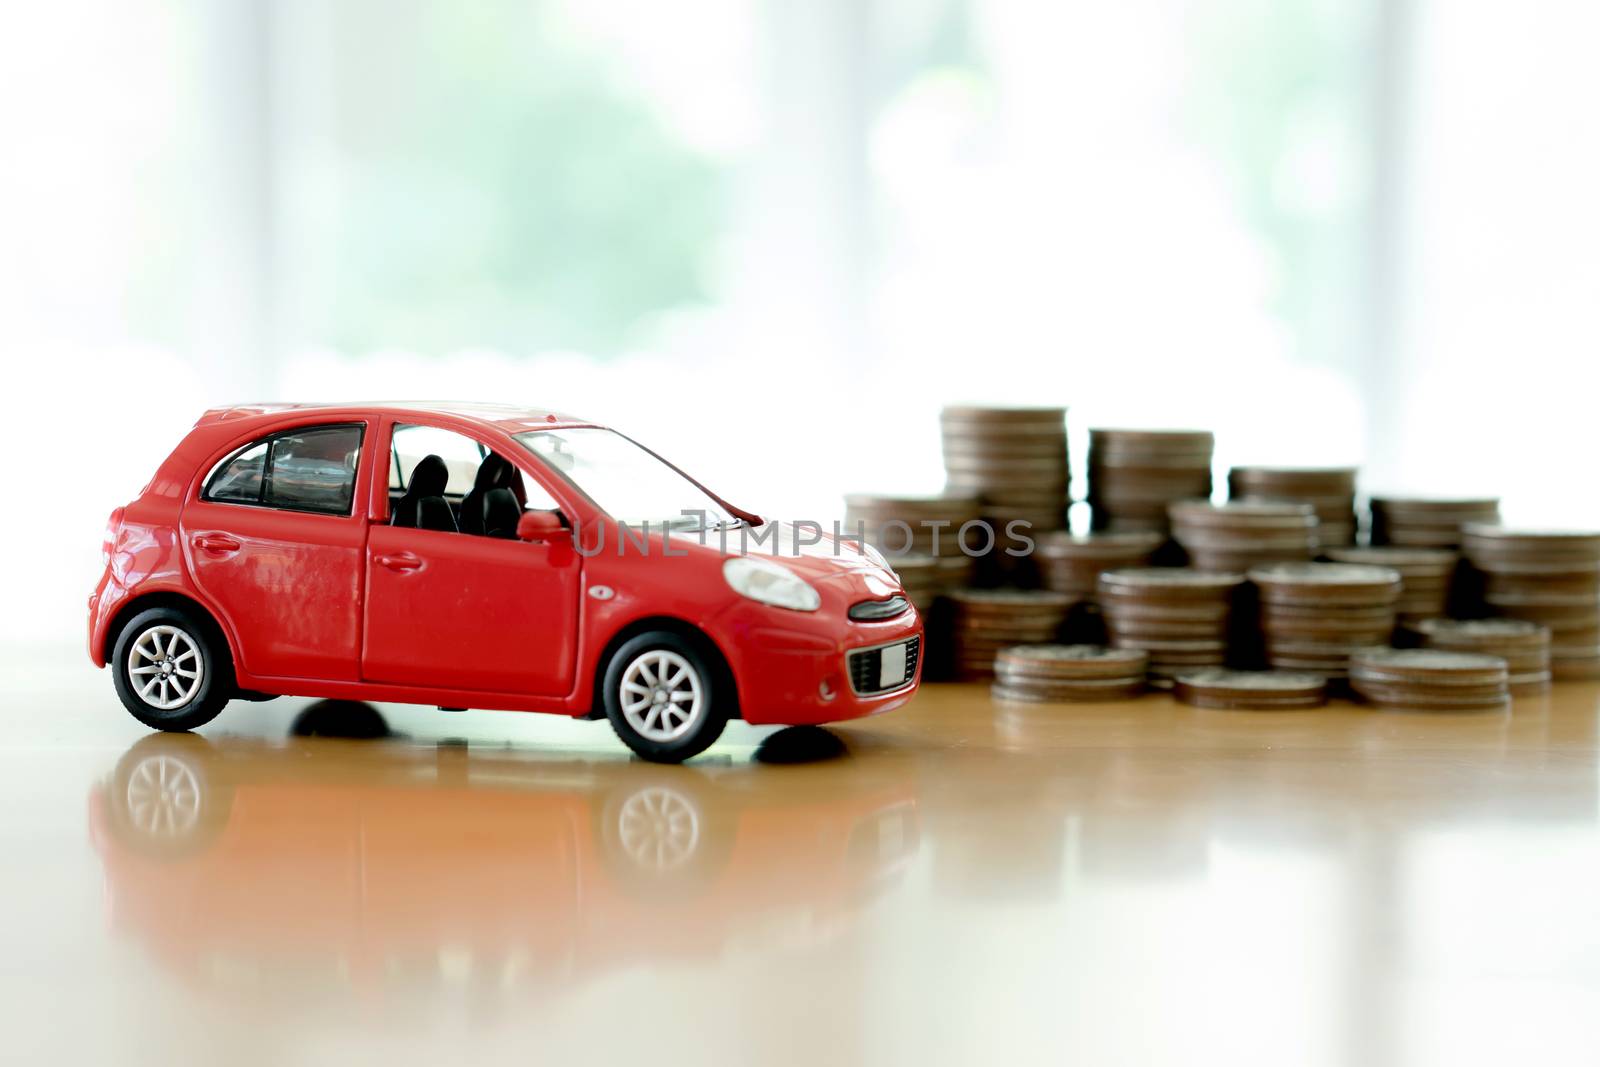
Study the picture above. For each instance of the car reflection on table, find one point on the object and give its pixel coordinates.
(381, 862)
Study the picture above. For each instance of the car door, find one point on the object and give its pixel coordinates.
(462, 611)
(275, 542)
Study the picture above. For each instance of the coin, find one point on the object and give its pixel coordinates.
(1324, 481)
(1170, 582)
(1072, 661)
(962, 415)
(1179, 615)
(1584, 544)
(1014, 461)
(1134, 474)
(1068, 673)
(1073, 563)
(1425, 575)
(1329, 490)
(1430, 522)
(1155, 440)
(1427, 665)
(1407, 699)
(1549, 577)
(1314, 616)
(1071, 693)
(1407, 561)
(1528, 683)
(1265, 690)
(987, 621)
(1429, 679)
(1326, 583)
(1500, 632)
(1098, 546)
(1156, 628)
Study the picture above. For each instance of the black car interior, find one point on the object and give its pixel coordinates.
(423, 505)
(491, 508)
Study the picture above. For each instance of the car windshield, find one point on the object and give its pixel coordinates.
(624, 480)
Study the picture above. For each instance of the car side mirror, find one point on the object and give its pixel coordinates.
(542, 526)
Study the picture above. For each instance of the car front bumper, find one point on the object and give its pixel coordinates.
(793, 668)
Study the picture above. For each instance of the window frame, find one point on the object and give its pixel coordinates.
(394, 449)
(572, 506)
(270, 439)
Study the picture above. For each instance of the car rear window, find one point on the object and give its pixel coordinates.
(311, 469)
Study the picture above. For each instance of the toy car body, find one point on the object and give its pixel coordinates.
(316, 550)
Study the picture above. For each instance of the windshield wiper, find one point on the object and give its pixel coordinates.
(686, 522)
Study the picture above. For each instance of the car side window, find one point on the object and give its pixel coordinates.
(311, 469)
(239, 480)
(538, 496)
(462, 456)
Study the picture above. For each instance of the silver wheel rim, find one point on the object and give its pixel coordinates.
(659, 828)
(163, 797)
(165, 667)
(661, 695)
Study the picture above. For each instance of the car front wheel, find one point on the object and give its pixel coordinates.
(663, 697)
(171, 671)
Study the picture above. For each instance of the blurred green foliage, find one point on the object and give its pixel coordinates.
(494, 184)
(1282, 94)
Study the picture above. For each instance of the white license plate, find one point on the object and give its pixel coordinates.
(892, 666)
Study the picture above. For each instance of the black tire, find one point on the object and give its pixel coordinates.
(215, 682)
(711, 710)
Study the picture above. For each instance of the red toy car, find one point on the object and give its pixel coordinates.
(489, 557)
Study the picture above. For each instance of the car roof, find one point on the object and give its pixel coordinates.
(511, 418)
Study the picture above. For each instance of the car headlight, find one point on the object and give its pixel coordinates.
(771, 583)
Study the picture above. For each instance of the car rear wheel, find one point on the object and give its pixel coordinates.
(663, 697)
(171, 671)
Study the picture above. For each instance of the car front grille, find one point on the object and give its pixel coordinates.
(866, 668)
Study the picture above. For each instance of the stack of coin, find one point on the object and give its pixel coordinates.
(925, 578)
(1426, 679)
(1214, 687)
(912, 528)
(1545, 576)
(988, 620)
(910, 525)
(1135, 474)
(1177, 614)
(1014, 460)
(1428, 523)
(1525, 646)
(1073, 563)
(1238, 536)
(1068, 672)
(1315, 615)
(1329, 490)
(1425, 574)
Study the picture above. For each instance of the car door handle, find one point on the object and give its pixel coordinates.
(216, 543)
(400, 561)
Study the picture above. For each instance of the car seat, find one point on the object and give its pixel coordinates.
(423, 506)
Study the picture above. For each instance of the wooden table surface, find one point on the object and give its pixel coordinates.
(955, 882)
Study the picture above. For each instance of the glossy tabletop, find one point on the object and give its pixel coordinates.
(955, 882)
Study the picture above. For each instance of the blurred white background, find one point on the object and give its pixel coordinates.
(770, 239)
